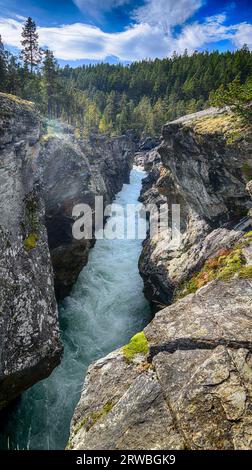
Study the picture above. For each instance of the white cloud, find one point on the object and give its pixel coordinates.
(10, 31)
(167, 13)
(243, 35)
(79, 41)
(96, 8)
(82, 41)
(197, 35)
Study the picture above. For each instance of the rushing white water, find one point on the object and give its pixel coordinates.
(105, 308)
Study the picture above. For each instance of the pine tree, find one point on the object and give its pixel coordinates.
(49, 79)
(13, 83)
(31, 53)
(3, 66)
(159, 116)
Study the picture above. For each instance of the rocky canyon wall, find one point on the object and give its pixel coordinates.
(29, 335)
(43, 174)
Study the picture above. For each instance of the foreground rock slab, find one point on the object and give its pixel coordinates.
(193, 390)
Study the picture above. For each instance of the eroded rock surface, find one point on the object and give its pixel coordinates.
(42, 176)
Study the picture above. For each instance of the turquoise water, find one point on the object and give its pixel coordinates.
(105, 308)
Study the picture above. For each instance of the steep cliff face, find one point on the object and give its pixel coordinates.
(206, 161)
(74, 172)
(29, 337)
(185, 382)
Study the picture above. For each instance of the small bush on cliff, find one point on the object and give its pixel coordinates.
(137, 345)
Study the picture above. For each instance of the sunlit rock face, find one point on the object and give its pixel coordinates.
(74, 171)
(191, 387)
(29, 336)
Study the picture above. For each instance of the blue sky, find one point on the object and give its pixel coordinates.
(81, 31)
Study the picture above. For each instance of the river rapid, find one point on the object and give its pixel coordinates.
(106, 307)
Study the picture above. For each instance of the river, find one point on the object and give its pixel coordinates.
(106, 307)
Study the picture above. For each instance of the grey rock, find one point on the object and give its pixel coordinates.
(195, 390)
(204, 174)
(29, 335)
(207, 171)
(138, 416)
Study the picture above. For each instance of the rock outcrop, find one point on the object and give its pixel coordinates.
(185, 382)
(206, 160)
(29, 335)
(74, 171)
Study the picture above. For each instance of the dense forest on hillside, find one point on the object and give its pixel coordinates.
(114, 98)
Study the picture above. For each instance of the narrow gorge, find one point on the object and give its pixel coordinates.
(180, 380)
(98, 316)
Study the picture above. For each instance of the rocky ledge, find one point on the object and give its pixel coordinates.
(29, 335)
(185, 382)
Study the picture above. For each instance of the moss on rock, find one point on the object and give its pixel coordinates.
(227, 124)
(89, 421)
(137, 345)
(30, 241)
(231, 264)
(245, 272)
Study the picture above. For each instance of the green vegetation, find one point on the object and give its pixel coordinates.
(31, 54)
(92, 419)
(224, 266)
(114, 98)
(137, 345)
(247, 171)
(17, 100)
(30, 241)
(245, 272)
(229, 125)
(237, 95)
(230, 264)
(248, 235)
(96, 415)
